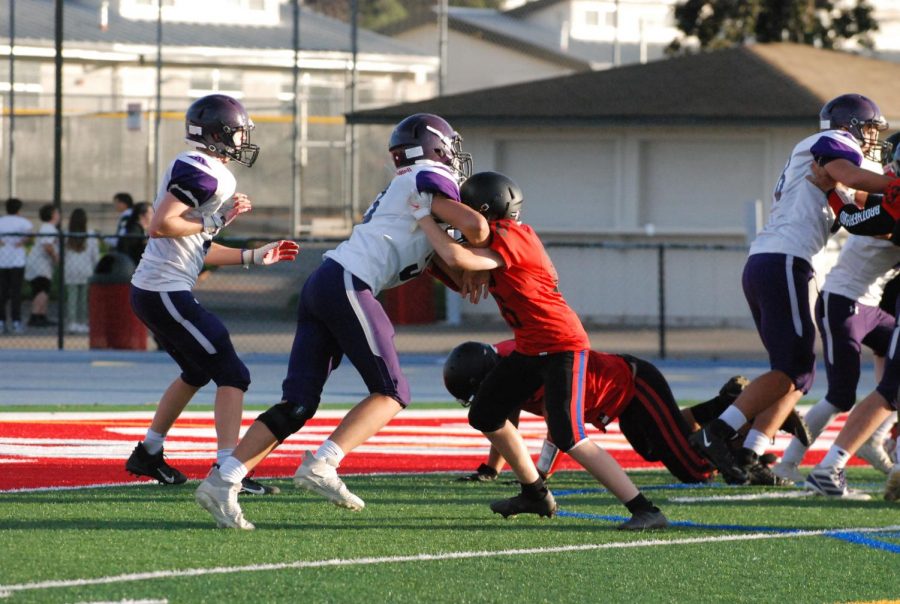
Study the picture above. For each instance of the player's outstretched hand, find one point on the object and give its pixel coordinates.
(272, 253)
(420, 205)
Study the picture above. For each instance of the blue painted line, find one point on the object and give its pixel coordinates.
(865, 540)
(681, 523)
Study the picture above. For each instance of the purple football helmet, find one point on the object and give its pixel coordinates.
(220, 124)
(429, 138)
(859, 116)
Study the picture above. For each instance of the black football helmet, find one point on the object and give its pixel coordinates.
(859, 116)
(890, 155)
(465, 369)
(493, 195)
(214, 122)
(429, 138)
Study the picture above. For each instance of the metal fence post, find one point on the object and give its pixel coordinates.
(661, 286)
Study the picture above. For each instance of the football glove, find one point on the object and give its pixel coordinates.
(226, 214)
(271, 253)
(484, 473)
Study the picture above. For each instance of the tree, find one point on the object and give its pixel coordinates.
(723, 23)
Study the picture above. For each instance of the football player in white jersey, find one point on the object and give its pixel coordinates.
(848, 317)
(339, 315)
(777, 274)
(196, 199)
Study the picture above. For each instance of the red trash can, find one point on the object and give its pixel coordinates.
(411, 303)
(112, 322)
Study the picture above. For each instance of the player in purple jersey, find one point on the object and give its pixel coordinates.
(777, 274)
(338, 315)
(848, 317)
(195, 201)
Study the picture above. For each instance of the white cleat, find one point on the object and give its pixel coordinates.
(892, 486)
(875, 454)
(788, 471)
(219, 498)
(832, 482)
(321, 477)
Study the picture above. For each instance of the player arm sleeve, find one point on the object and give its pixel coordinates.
(874, 219)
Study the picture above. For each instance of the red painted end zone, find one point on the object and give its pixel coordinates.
(80, 449)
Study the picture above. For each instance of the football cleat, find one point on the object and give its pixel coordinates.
(141, 463)
(733, 388)
(892, 486)
(876, 455)
(796, 426)
(711, 441)
(219, 498)
(484, 473)
(321, 477)
(788, 471)
(758, 471)
(831, 482)
(253, 487)
(520, 504)
(645, 520)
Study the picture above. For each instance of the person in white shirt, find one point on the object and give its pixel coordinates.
(12, 264)
(82, 253)
(40, 265)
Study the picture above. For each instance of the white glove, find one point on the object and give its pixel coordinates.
(271, 253)
(420, 205)
(226, 214)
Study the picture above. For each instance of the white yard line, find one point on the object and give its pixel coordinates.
(7, 590)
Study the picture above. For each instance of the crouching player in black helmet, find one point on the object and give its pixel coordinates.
(617, 387)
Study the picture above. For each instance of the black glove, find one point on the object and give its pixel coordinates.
(485, 473)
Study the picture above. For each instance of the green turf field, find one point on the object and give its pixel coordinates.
(426, 538)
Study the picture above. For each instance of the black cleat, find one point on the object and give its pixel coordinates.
(484, 473)
(546, 506)
(711, 441)
(141, 463)
(758, 471)
(733, 388)
(796, 426)
(645, 520)
(252, 487)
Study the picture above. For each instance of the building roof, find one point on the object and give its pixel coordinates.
(34, 22)
(758, 84)
(509, 30)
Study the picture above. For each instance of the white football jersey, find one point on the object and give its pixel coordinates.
(387, 247)
(173, 263)
(800, 220)
(863, 267)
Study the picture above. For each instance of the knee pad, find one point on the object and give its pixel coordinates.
(285, 418)
(481, 418)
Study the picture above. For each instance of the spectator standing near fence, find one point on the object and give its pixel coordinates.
(40, 265)
(124, 204)
(132, 239)
(82, 253)
(12, 264)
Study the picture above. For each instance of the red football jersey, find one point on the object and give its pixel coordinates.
(526, 292)
(608, 387)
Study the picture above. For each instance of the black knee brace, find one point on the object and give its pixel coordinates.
(285, 419)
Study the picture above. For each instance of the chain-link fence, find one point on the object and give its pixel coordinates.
(258, 305)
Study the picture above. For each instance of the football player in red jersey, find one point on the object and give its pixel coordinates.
(551, 350)
(617, 387)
